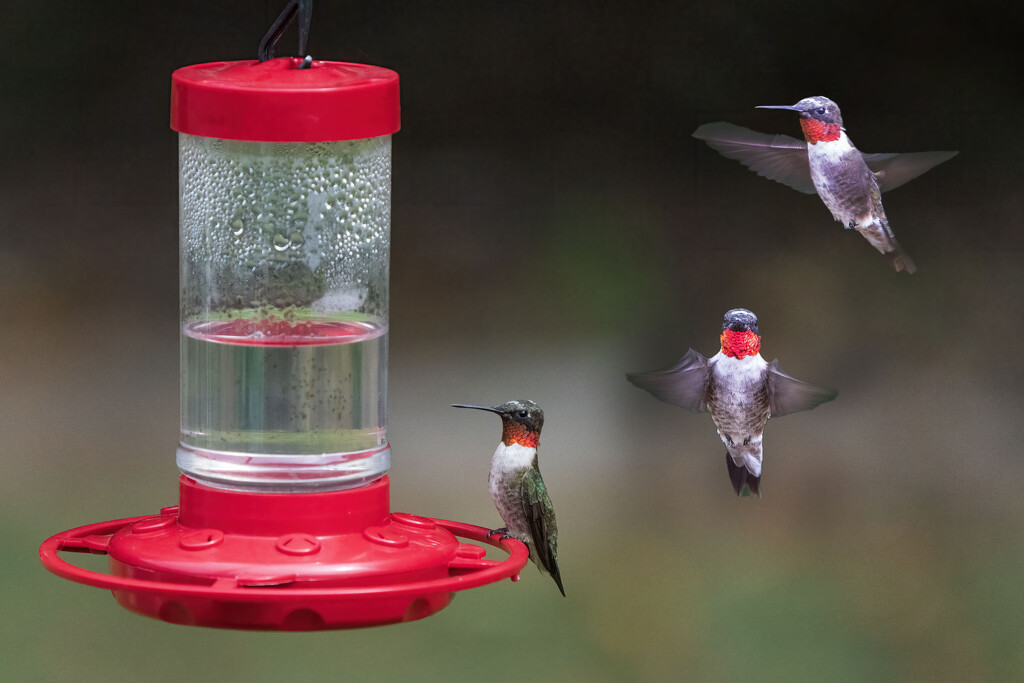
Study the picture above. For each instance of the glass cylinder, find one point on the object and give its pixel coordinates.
(284, 257)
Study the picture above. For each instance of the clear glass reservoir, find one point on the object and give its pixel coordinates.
(284, 265)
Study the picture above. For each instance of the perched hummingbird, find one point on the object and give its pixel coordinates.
(740, 390)
(849, 182)
(517, 488)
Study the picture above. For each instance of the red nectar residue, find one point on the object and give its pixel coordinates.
(272, 331)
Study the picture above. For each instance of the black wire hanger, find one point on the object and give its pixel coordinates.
(304, 10)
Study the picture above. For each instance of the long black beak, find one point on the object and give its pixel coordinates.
(487, 408)
(739, 327)
(777, 106)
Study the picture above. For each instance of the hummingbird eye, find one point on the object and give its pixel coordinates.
(820, 110)
(522, 414)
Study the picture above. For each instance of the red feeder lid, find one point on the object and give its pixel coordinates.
(275, 101)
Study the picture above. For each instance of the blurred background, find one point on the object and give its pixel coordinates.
(554, 227)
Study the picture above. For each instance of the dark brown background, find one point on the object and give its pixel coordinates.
(554, 227)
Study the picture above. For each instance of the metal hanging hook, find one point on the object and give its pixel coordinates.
(304, 9)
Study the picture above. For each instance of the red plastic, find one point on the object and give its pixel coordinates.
(312, 561)
(274, 101)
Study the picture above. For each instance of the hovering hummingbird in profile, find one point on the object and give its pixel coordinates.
(517, 488)
(849, 182)
(740, 390)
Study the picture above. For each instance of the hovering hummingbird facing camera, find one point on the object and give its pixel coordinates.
(849, 182)
(517, 488)
(740, 390)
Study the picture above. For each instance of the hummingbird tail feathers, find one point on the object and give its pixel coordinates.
(557, 576)
(878, 233)
(899, 260)
(743, 481)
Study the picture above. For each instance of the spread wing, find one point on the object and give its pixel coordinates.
(684, 384)
(895, 169)
(777, 157)
(789, 395)
(540, 515)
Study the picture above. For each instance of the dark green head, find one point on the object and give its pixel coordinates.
(520, 411)
(818, 108)
(740, 320)
(519, 418)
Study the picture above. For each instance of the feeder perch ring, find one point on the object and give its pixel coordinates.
(239, 578)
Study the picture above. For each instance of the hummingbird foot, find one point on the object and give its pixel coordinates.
(503, 531)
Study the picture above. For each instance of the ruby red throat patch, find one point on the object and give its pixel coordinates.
(514, 432)
(816, 131)
(740, 344)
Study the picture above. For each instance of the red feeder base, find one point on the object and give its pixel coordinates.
(289, 562)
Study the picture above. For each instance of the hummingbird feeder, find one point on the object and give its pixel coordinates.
(283, 520)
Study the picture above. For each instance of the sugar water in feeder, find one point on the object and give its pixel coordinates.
(284, 253)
